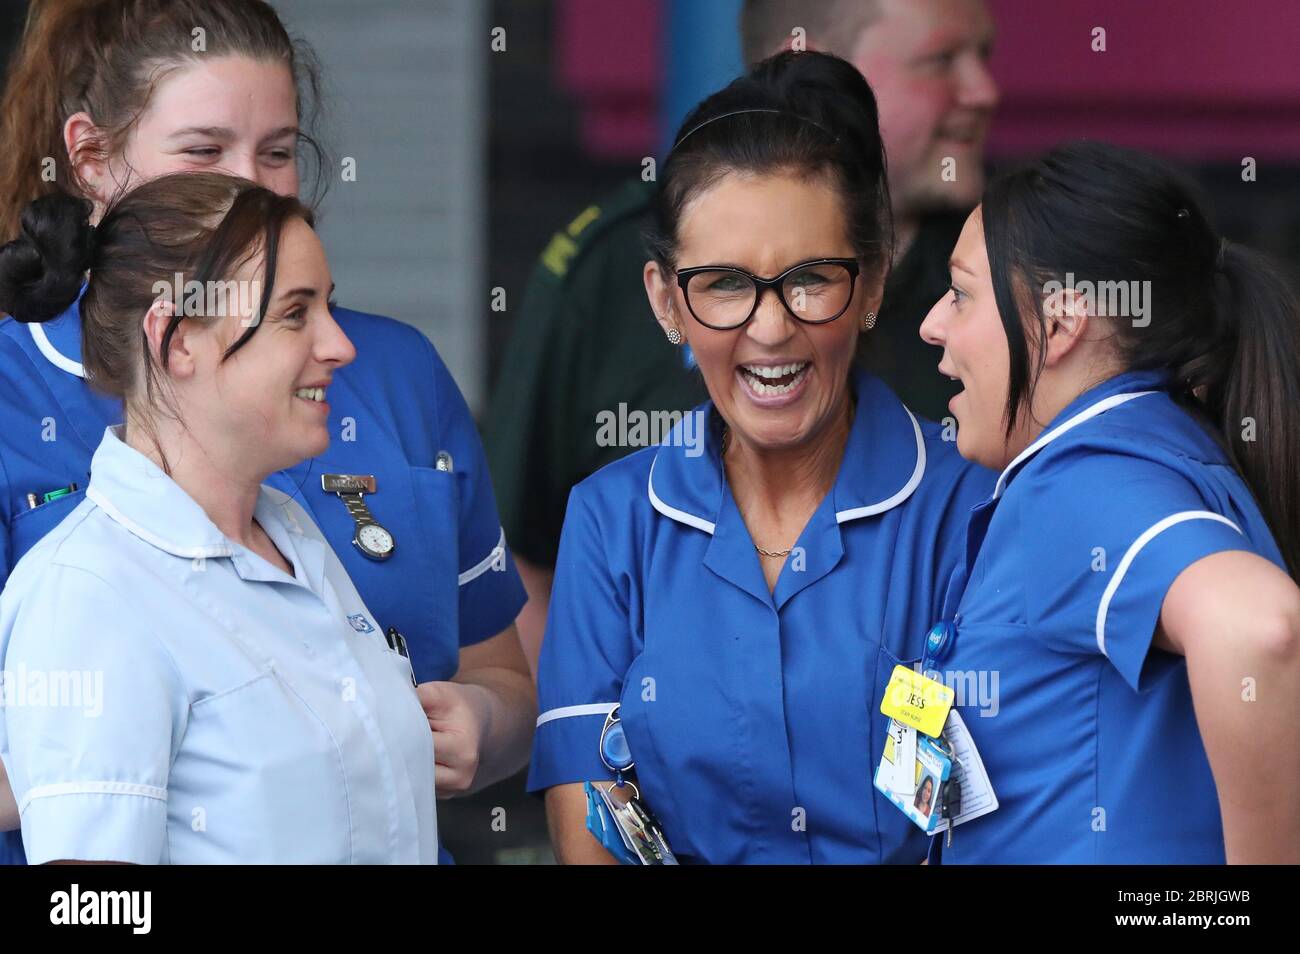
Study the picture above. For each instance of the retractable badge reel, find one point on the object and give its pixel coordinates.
(930, 769)
(626, 829)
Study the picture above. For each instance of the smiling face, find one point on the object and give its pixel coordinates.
(265, 406)
(927, 61)
(777, 382)
(967, 325)
(231, 114)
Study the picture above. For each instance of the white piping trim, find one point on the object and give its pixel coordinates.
(53, 354)
(1152, 532)
(908, 488)
(1115, 400)
(496, 557)
(680, 516)
(212, 550)
(91, 788)
(569, 712)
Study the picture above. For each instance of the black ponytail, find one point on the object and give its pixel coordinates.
(42, 270)
(1220, 319)
(1254, 395)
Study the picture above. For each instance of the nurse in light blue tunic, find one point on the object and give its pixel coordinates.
(1127, 578)
(217, 709)
(130, 100)
(190, 674)
(742, 593)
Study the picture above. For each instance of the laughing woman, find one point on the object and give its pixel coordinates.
(1130, 570)
(742, 608)
(251, 710)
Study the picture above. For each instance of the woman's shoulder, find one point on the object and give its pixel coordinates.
(1152, 432)
(82, 562)
(620, 481)
(381, 339)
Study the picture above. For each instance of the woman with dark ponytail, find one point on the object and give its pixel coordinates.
(105, 94)
(182, 606)
(1135, 377)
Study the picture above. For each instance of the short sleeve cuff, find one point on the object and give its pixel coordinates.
(566, 748)
(1130, 606)
(491, 595)
(95, 826)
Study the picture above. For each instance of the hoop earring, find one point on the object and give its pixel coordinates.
(869, 322)
(674, 336)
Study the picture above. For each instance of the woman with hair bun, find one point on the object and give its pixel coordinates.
(402, 493)
(236, 700)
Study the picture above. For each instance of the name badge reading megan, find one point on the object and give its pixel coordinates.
(372, 539)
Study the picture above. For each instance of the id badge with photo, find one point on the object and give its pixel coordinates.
(930, 770)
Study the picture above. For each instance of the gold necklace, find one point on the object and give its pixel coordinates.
(726, 434)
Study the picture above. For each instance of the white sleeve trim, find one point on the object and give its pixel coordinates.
(1151, 533)
(568, 712)
(496, 557)
(91, 788)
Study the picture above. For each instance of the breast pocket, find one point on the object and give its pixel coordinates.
(259, 779)
(28, 527)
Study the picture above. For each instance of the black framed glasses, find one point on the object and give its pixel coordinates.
(723, 298)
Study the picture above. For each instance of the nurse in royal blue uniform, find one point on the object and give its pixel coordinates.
(1127, 579)
(743, 592)
(441, 574)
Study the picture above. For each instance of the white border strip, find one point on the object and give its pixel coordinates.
(104, 504)
(482, 566)
(91, 788)
(1152, 532)
(569, 712)
(1115, 400)
(680, 516)
(908, 488)
(53, 354)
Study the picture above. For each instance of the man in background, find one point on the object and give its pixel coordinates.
(586, 347)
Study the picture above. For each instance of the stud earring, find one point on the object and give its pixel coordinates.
(869, 322)
(674, 336)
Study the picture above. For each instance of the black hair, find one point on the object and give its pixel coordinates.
(810, 113)
(1222, 320)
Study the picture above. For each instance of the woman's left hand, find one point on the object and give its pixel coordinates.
(457, 715)
(483, 720)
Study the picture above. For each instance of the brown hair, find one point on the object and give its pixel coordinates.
(106, 57)
(202, 225)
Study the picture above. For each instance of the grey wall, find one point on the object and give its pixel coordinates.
(406, 97)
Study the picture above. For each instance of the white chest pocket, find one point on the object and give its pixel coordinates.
(258, 779)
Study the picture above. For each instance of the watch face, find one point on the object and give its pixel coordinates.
(375, 541)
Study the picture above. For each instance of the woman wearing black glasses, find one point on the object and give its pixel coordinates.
(740, 605)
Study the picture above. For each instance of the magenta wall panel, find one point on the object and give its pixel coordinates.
(1202, 79)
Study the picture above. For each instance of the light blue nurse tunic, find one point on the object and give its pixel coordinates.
(395, 413)
(1092, 745)
(753, 715)
(171, 697)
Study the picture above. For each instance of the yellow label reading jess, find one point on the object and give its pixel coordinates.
(915, 700)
